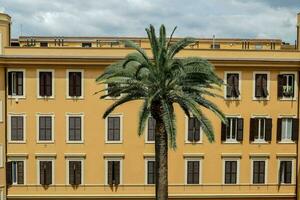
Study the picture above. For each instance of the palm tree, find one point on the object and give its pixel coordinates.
(160, 82)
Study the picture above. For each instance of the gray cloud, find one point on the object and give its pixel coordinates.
(197, 18)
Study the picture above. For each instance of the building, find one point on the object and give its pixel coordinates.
(54, 143)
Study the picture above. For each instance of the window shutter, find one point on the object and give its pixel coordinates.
(281, 171)
(268, 130)
(280, 86)
(42, 83)
(253, 128)
(191, 129)
(20, 175)
(288, 172)
(255, 171)
(236, 85)
(240, 127)
(78, 84)
(9, 83)
(196, 172)
(229, 86)
(117, 172)
(258, 85)
(151, 172)
(151, 129)
(264, 85)
(293, 89)
(48, 84)
(295, 129)
(19, 83)
(279, 125)
(71, 173)
(71, 84)
(48, 173)
(9, 173)
(117, 128)
(197, 130)
(110, 172)
(190, 172)
(78, 172)
(42, 173)
(223, 131)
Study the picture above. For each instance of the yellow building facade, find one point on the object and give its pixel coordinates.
(54, 143)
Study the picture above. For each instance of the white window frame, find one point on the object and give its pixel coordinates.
(147, 159)
(187, 131)
(38, 115)
(82, 83)
(294, 98)
(106, 168)
(240, 85)
(68, 115)
(24, 84)
(81, 159)
(1, 155)
(266, 159)
(9, 128)
(285, 141)
(237, 159)
(186, 168)
(268, 86)
(259, 141)
(20, 158)
(39, 159)
(231, 141)
(38, 83)
(293, 178)
(146, 133)
(121, 129)
(1, 111)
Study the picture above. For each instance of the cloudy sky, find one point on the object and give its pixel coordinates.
(196, 18)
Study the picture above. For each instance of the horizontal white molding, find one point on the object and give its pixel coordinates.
(259, 155)
(113, 155)
(286, 155)
(231, 155)
(45, 155)
(193, 155)
(147, 155)
(75, 155)
(17, 154)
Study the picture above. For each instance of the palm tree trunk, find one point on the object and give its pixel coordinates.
(161, 154)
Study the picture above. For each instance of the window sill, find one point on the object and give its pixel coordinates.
(287, 99)
(17, 142)
(286, 142)
(75, 98)
(45, 97)
(199, 142)
(45, 142)
(113, 142)
(75, 142)
(232, 98)
(231, 142)
(261, 99)
(149, 142)
(260, 142)
(16, 97)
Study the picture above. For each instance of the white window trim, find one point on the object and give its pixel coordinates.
(237, 159)
(20, 158)
(187, 130)
(39, 159)
(266, 169)
(268, 86)
(38, 115)
(24, 84)
(146, 134)
(293, 169)
(232, 141)
(121, 129)
(240, 85)
(109, 97)
(9, 127)
(294, 98)
(106, 169)
(287, 141)
(82, 128)
(1, 111)
(82, 83)
(38, 83)
(146, 168)
(1, 156)
(186, 167)
(261, 141)
(81, 159)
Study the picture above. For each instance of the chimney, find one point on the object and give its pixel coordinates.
(5, 22)
(298, 31)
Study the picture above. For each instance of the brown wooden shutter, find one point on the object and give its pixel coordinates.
(288, 172)
(9, 82)
(258, 85)
(78, 84)
(295, 129)
(190, 129)
(229, 86)
(19, 76)
(71, 84)
(110, 172)
(42, 83)
(279, 125)
(197, 130)
(223, 131)
(265, 85)
(48, 173)
(253, 129)
(236, 85)
(78, 172)
(48, 84)
(280, 86)
(268, 129)
(9, 173)
(240, 128)
(20, 169)
(190, 171)
(117, 172)
(281, 171)
(71, 173)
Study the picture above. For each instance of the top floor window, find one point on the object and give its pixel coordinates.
(45, 83)
(15, 83)
(110, 88)
(232, 85)
(193, 134)
(75, 83)
(151, 130)
(261, 85)
(286, 85)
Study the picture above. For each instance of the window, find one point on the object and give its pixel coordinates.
(285, 171)
(15, 172)
(150, 171)
(113, 172)
(193, 171)
(43, 44)
(286, 85)
(260, 129)
(215, 46)
(261, 85)
(16, 83)
(75, 84)
(17, 125)
(86, 44)
(230, 171)
(232, 85)
(113, 129)
(151, 130)
(287, 129)
(259, 171)
(46, 172)
(258, 46)
(193, 132)
(45, 83)
(110, 88)
(233, 131)
(75, 127)
(45, 128)
(75, 172)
